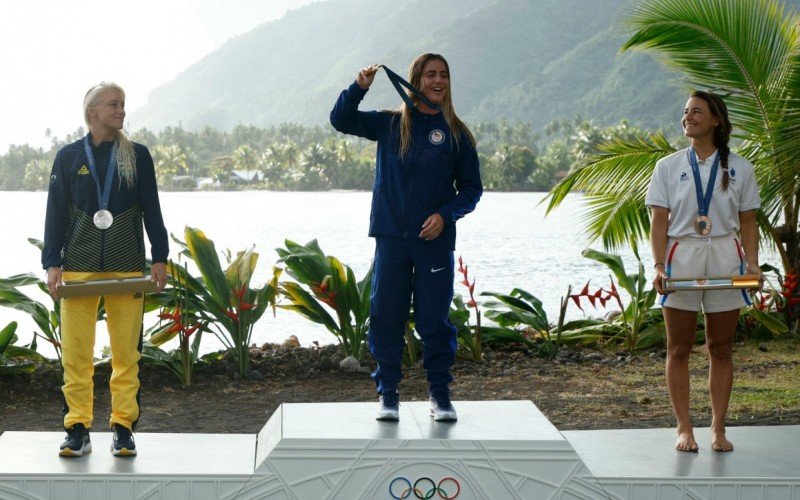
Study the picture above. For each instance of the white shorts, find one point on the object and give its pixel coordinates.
(692, 257)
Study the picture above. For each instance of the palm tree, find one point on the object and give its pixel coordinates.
(170, 161)
(748, 51)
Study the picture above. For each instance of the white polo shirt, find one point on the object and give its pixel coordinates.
(672, 187)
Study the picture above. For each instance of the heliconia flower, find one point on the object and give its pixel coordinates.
(472, 303)
(576, 299)
(614, 291)
(176, 327)
(173, 316)
(460, 265)
(466, 272)
(794, 301)
(465, 282)
(244, 306)
(191, 329)
(585, 290)
(232, 315)
(472, 287)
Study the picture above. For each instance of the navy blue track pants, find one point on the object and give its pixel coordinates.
(404, 268)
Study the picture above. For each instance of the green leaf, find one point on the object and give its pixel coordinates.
(6, 334)
(205, 256)
(773, 323)
(614, 263)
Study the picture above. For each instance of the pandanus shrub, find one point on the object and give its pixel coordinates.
(222, 301)
(322, 284)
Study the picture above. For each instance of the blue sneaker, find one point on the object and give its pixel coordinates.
(442, 409)
(122, 444)
(390, 407)
(77, 442)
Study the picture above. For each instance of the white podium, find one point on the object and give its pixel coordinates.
(497, 450)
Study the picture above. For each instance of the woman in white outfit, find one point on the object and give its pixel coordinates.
(697, 231)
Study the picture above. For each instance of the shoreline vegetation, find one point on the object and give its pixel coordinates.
(291, 157)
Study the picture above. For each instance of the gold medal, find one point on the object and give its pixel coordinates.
(702, 225)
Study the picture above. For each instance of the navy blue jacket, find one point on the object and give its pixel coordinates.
(72, 241)
(435, 176)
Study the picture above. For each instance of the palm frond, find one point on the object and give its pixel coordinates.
(614, 182)
(738, 48)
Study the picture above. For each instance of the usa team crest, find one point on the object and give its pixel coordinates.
(436, 137)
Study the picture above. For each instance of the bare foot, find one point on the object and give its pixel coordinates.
(719, 442)
(686, 442)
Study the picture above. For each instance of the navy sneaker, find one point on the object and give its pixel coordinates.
(390, 406)
(77, 442)
(122, 444)
(442, 409)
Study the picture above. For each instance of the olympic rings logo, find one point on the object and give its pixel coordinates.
(424, 488)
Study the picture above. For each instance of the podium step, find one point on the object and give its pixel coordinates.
(496, 450)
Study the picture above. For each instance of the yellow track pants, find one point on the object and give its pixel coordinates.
(78, 320)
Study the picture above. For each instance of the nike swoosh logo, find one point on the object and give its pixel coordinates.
(437, 270)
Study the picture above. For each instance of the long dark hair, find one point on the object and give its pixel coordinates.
(722, 133)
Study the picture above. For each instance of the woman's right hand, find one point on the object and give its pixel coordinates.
(367, 75)
(53, 280)
(658, 281)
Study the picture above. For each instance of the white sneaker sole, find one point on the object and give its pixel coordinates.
(444, 416)
(388, 416)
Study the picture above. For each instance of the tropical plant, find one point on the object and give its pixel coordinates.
(758, 74)
(223, 301)
(47, 319)
(515, 309)
(774, 309)
(327, 281)
(16, 359)
(469, 338)
(639, 325)
(182, 324)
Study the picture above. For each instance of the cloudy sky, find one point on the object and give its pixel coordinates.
(52, 51)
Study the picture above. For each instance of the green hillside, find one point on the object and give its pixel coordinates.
(519, 60)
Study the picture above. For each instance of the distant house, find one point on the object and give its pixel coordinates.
(245, 176)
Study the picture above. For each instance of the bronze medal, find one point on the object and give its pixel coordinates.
(702, 225)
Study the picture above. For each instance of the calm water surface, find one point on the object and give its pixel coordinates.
(507, 242)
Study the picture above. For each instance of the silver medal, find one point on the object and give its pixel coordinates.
(103, 219)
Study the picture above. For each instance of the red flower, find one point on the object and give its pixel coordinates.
(176, 327)
(189, 331)
(232, 315)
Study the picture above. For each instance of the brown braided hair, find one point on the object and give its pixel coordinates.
(722, 134)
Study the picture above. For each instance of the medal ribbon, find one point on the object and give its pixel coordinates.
(104, 195)
(398, 81)
(703, 201)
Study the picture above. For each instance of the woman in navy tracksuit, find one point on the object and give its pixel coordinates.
(426, 178)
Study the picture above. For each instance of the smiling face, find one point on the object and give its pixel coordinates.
(698, 121)
(435, 81)
(109, 112)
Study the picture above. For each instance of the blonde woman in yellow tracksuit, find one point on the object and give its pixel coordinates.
(102, 188)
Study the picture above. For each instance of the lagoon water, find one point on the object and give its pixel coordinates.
(507, 242)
